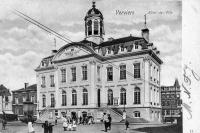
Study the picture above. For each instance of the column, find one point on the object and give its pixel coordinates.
(145, 70)
(92, 83)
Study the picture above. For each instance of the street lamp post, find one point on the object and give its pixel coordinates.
(124, 111)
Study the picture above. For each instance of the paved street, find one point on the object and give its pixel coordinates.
(18, 127)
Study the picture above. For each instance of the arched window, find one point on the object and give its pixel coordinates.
(96, 27)
(74, 97)
(89, 27)
(123, 96)
(43, 101)
(137, 95)
(110, 97)
(52, 100)
(85, 97)
(64, 98)
(136, 114)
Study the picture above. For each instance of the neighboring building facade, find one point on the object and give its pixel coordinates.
(5, 100)
(20, 96)
(95, 76)
(171, 102)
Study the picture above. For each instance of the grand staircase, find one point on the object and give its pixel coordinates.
(117, 115)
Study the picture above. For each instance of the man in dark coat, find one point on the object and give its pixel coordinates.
(109, 121)
(127, 124)
(50, 128)
(46, 127)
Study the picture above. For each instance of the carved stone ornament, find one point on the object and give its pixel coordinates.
(93, 62)
(146, 58)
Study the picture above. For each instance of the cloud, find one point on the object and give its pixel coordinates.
(23, 45)
(18, 69)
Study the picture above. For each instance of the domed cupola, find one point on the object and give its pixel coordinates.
(94, 27)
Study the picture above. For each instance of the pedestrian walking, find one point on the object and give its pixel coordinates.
(80, 120)
(30, 127)
(74, 126)
(70, 126)
(109, 121)
(105, 120)
(46, 127)
(56, 121)
(65, 125)
(4, 122)
(50, 128)
(127, 124)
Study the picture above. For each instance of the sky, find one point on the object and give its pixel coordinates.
(23, 45)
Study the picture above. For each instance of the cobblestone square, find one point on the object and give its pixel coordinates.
(18, 127)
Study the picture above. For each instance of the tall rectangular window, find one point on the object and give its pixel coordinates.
(64, 98)
(52, 80)
(122, 72)
(63, 75)
(84, 72)
(33, 99)
(43, 81)
(52, 100)
(85, 97)
(137, 70)
(73, 69)
(16, 100)
(74, 97)
(109, 73)
(98, 73)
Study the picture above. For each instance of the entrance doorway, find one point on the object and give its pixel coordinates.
(73, 115)
(84, 114)
(98, 97)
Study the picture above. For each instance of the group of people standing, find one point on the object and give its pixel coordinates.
(69, 125)
(107, 121)
(86, 120)
(48, 127)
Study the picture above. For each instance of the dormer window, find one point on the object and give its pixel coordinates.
(122, 48)
(136, 46)
(109, 50)
(42, 63)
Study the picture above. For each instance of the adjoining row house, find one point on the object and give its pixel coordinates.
(20, 96)
(5, 100)
(171, 102)
(95, 76)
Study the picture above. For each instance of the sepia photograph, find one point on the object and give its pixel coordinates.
(92, 66)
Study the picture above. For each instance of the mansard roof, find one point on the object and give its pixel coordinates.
(121, 40)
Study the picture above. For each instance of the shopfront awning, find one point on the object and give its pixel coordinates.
(7, 112)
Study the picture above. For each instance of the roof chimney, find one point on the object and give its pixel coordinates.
(25, 86)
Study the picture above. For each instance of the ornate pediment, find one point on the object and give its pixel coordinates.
(71, 52)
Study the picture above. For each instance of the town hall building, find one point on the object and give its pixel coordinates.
(94, 76)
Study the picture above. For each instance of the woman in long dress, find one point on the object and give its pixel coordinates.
(30, 127)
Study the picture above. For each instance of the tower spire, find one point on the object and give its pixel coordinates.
(145, 21)
(145, 31)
